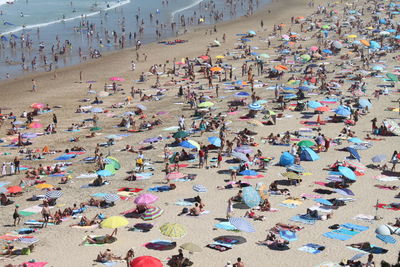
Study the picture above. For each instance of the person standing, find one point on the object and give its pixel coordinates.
(16, 215)
(34, 89)
(16, 165)
(239, 263)
(45, 213)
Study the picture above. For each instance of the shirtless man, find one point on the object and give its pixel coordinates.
(239, 263)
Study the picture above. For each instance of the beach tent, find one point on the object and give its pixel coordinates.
(286, 159)
(308, 154)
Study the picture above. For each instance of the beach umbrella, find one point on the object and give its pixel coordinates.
(239, 156)
(288, 235)
(217, 42)
(35, 125)
(191, 247)
(342, 112)
(323, 201)
(314, 48)
(38, 105)
(355, 140)
(305, 57)
(337, 45)
(145, 199)
(364, 103)
(248, 172)
(117, 79)
(114, 162)
(348, 173)
(216, 69)
(110, 168)
(204, 57)
(174, 230)
(242, 94)
(206, 104)
(344, 191)
(145, 261)
(190, 144)
(231, 239)
(323, 109)
(180, 134)
(295, 168)
(3, 190)
(255, 106)
(306, 143)
(109, 198)
(291, 175)
(175, 175)
(251, 197)
(251, 32)
(392, 77)
(93, 129)
(199, 188)
(243, 149)
(152, 213)
(374, 45)
(354, 153)
(104, 173)
(286, 159)
(114, 222)
(242, 224)
(264, 55)
(216, 141)
(377, 68)
(43, 186)
(378, 158)
(327, 51)
(54, 194)
(14, 189)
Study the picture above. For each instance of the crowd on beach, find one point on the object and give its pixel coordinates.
(329, 61)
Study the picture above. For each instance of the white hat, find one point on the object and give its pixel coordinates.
(228, 264)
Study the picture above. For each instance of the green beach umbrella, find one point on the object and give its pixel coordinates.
(110, 168)
(114, 162)
(392, 77)
(206, 104)
(326, 26)
(180, 134)
(95, 129)
(306, 57)
(306, 143)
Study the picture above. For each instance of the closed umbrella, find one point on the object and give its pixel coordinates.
(348, 173)
(251, 197)
(152, 213)
(242, 224)
(145, 199)
(173, 230)
(145, 261)
(109, 198)
(54, 194)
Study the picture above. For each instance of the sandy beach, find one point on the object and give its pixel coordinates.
(68, 88)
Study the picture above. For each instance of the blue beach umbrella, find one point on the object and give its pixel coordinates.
(348, 173)
(378, 158)
(187, 144)
(242, 224)
(248, 172)
(354, 153)
(216, 141)
(288, 235)
(355, 140)
(242, 94)
(251, 197)
(104, 173)
(341, 111)
(314, 104)
(255, 106)
(323, 201)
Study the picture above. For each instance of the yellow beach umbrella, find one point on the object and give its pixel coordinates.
(352, 36)
(44, 186)
(206, 104)
(220, 56)
(173, 230)
(114, 222)
(191, 247)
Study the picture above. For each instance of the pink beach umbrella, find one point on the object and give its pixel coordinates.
(35, 125)
(314, 48)
(38, 105)
(117, 79)
(145, 199)
(175, 175)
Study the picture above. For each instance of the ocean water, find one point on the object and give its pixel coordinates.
(33, 33)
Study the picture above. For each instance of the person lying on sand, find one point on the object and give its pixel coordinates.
(107, 256)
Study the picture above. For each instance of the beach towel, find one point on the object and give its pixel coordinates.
(87, 175)
(373, 250)
(333, 235)
(384, 178)
(312, 248)
(159, 188)
(300, 219)
(128, 189)
(387, 239)
(35, 264)
(345, 231)
(364, 218)
(184, 203)
(355, 227)
(219, 248)
(31, 210)
(109, 263)
(310, 196)
(386, 206)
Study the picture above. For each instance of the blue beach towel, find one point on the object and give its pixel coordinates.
(355, 227)
(299, 219)
(333, 235)
(387, 239)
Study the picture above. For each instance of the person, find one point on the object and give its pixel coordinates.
(139, 161)
(107, 239)
(16, 215)
(195, 211)
(98, 181)
(229, 210)
(394, 160)
(107, 256)
(130, 255)
(45, 213)
(238, 263)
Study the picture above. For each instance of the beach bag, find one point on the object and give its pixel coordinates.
(139, 161)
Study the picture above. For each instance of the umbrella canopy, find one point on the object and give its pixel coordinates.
(242, 224)
(190, 144)
(114, 222)
(44, 186)
(288, 235)
(355, 140)
(306, 143)
(145, 199)
(54, 194)
(378, 158)
(323, 108)
(173, 230)
(323, 201)
(145, 261)
(251, 197)
(255, 106)
(242, 94)
(314, 104)
(216, 141)
(142, 107)
(104, 173)
(152, 213)
(216, 69)
(248, 172)
(109, 198)
(191, 247)
(14, 189)
(117, 79)
(180, 134)
(341, 111)
(354, 153)
(348, 173)
(114, 162)
(206, 104)
(231, 239)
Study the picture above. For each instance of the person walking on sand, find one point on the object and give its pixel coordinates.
(45, 213)
(16, 215)
(239, 263)
(80, 76)
(34, 89)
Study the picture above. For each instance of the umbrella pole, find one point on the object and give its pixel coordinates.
(376, 210)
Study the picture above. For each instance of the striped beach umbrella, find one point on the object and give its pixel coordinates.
(152, 213)
(251, 197)
(173, 230)
(255, 106)
(111, 198)
(242, 224)
(54, 194)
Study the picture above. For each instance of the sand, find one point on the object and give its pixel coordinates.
(59, 245)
